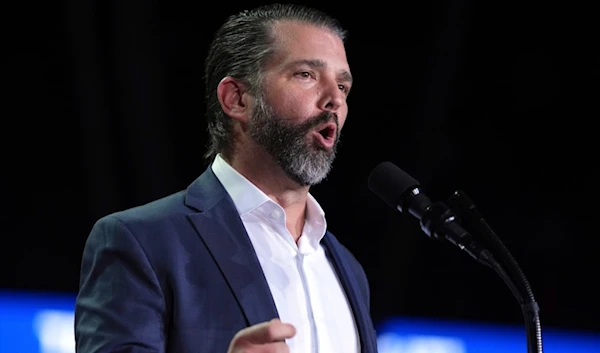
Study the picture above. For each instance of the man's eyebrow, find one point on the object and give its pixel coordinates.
(345, 76)
(320, 64)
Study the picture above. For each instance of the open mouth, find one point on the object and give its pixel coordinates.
(328, 131)
(326, 134)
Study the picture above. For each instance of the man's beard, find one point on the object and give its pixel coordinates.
(302, 160)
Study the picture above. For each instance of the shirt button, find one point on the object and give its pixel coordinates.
(275, 214)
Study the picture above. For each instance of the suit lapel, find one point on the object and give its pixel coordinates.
(351, 287)
(223, 232)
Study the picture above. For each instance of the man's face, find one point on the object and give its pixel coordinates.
(300, 114)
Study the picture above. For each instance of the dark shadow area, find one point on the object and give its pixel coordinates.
(105, 111)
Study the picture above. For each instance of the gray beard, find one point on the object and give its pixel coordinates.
(304, 162)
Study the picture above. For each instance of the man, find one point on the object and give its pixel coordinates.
(241, 260)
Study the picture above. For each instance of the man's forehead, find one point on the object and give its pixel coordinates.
(300, 41)
(286, 30)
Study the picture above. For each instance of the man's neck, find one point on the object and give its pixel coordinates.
(264, 172)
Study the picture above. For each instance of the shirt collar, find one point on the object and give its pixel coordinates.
(247, 198)
(245, 195)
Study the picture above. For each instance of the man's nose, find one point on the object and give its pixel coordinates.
(333, 98)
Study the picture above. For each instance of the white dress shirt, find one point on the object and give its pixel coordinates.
(304, 285)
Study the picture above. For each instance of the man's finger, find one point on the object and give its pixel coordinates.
(267, 332)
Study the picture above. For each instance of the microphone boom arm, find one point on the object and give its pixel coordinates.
(522, 289)
(439, 222)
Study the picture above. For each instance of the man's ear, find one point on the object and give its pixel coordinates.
(234, 98)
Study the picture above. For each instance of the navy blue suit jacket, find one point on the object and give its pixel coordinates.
(180, 275)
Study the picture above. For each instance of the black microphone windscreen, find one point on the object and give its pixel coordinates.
(390, 183)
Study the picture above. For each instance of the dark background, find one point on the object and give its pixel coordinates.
(104, 111)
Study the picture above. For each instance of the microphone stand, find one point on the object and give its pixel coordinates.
(521, 288)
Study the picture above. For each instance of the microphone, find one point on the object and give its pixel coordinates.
(401, 191)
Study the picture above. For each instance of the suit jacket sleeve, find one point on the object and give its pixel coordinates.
(120, 306)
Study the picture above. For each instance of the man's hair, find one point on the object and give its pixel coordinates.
(240, 48)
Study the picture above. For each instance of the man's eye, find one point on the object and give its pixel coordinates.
(304, 74)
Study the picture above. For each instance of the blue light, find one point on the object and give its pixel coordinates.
(414, 335)
(43, 323)
(36, 323)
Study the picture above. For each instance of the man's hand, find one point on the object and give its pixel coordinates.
(266, 337)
